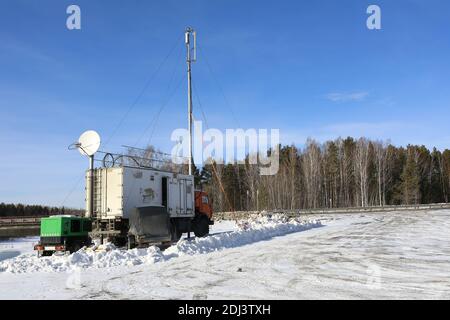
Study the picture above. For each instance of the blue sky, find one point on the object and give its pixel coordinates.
(311, 69)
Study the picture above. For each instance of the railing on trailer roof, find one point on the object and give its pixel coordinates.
(143, 158)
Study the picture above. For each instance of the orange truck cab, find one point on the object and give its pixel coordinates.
(203, 205)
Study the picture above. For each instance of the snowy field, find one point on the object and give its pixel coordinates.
(349, 256)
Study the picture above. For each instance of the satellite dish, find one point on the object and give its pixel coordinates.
(88, 143)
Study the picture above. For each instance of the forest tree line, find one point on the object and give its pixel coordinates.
(340, 173)
(23, 210)
(335, 174)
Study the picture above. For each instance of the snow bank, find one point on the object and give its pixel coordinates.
(256, 228)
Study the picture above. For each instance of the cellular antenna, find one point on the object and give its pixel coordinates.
(188, 34)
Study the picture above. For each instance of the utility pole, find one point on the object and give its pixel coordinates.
(188, 33)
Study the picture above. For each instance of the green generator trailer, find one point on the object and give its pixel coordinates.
(63, 233)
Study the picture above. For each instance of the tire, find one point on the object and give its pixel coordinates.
(120, 241)
(200, 226)
(73, 247)
(78, 246)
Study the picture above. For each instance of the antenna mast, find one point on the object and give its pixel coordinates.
(188, 34)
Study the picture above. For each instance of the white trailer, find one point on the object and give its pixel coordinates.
(144, 203)
(119, 190)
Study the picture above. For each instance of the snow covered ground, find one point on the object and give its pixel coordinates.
(384, 255)
(14, 247)
(106, 256)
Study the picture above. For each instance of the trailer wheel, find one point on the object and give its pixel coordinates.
(200, 226)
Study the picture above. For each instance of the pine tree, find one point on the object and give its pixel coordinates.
(410, 178)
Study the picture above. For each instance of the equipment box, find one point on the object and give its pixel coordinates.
(118, 191)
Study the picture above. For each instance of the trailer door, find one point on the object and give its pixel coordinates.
(180, 197)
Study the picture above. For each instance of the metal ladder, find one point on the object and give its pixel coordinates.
(97, 193)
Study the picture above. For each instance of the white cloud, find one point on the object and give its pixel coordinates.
(346, 97)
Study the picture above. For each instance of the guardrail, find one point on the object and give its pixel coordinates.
(19, 221)
(433, 206)
(243, 214)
